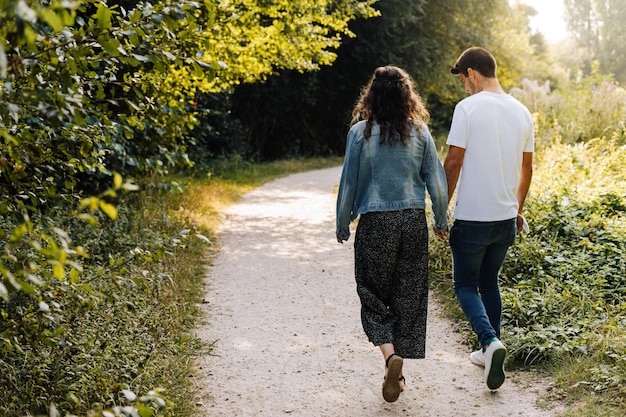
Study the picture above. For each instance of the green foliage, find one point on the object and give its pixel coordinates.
(307, 114)
(85, 341)
(580, 110)
(81, 89)
(94, 87)
(36, 250)
(598, 35)
(253, 39)
(564, 283)
(585, 170)
(91, 91)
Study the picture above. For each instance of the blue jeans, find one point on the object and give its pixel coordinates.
(478, 250)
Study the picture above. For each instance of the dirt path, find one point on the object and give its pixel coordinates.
(284, 315)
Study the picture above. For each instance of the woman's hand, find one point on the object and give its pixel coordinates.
(440, 235)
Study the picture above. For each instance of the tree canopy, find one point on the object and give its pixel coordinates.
(598, 31)
(295, 113)
(92, 87)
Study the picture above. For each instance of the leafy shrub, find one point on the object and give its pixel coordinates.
(561, 278)
(579, 110)
(90, 89)
(81, 336)
(564, 283)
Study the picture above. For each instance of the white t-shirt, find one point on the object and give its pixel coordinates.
(494, 129)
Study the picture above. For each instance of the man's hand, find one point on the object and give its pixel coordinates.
(521, 224)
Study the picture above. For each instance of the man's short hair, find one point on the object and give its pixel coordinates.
(478, 59)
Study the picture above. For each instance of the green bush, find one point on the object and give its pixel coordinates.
(565, 277)
(578, 110)
(564, 283)
(83, 331)
(92, 309)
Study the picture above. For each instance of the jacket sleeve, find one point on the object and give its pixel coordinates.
(436, 184)
(348, 186)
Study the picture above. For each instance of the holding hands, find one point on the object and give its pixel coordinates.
(441, 235)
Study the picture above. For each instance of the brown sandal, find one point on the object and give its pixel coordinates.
(391, 386)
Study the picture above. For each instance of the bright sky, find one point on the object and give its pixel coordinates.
(549, 18)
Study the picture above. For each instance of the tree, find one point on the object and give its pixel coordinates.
(252, 40)
(94, 89)
(91, 88)
(309, 113)
(597, 27)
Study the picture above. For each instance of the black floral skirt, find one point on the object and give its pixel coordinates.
(391, 269)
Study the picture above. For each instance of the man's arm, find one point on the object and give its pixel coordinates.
(452, 166)
(526, 176)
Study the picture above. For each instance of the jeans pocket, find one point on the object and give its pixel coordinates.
(469, 237)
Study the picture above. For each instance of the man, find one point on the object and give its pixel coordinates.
(489, 163)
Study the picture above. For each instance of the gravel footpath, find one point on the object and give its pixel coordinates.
(283, 317)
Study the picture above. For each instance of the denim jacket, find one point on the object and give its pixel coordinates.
(382, 177)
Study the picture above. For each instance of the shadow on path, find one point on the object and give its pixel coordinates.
(285, 318)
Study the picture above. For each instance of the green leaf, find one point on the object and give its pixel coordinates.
(58, 270)
(27, 288)
(91, 202)
(4, 293)
(136, 16)
(74, 276)
(103, 16)
(18, 232)
(117, 181)
(51, 18)
(109, 209)
(211, 10)
(88, 218)
(110, 45)
(144, 411)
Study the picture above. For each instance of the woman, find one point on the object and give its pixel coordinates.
(390, 161)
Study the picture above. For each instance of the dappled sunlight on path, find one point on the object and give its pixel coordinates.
(283, 313)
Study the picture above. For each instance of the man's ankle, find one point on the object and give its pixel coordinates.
(493, 339)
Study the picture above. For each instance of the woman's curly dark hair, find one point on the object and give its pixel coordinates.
(390, 100)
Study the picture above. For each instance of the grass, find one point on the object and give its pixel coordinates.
(204, 196)
(207, 194)
(579, 399)
(195, 203)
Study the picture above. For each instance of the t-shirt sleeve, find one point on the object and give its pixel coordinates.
(529, 145)
(459, 129)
